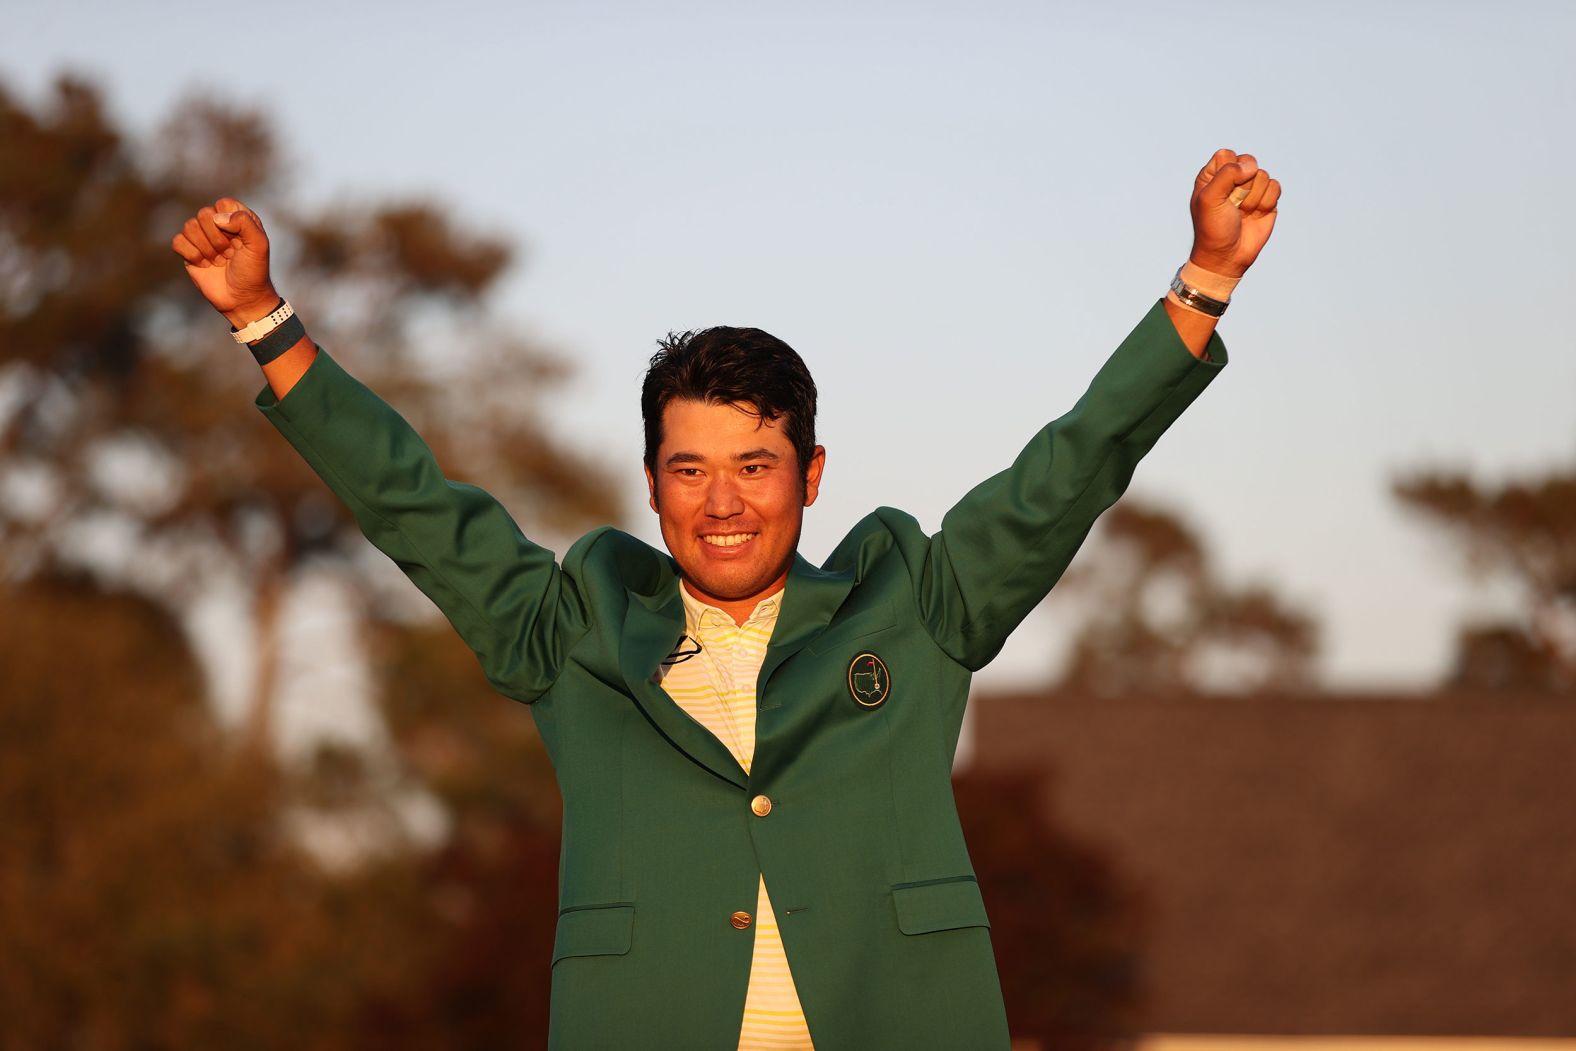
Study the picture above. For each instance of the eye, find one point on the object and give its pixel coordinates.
(752, 469)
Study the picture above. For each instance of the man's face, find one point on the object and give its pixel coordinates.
(728, 493)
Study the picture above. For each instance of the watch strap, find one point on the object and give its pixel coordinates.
(1194, 299)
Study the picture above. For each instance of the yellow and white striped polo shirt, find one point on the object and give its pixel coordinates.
(717, 688)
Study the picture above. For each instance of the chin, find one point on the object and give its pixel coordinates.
(732, 588)
(733, 583)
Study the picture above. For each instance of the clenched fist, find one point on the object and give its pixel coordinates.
(1228, 235)
(226, 253)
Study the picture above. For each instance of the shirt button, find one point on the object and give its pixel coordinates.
(740, 920)
(761, 805)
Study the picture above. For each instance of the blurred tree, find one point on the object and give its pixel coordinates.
(153, 891)
(1155, 620)
(147, 897)
(127, 439)
(152, 895)
(1067, 925)
(488, 899)
(1523, 532)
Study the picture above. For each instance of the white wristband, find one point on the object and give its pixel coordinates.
(1213, 285)
(264, 325)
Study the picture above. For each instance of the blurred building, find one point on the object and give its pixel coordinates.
(1397, 866)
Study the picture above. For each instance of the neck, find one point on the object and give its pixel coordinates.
(738, 609)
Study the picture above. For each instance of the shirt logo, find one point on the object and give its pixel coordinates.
(868, 681)
(687, 647)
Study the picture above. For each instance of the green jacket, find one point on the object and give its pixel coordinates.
(880, 913)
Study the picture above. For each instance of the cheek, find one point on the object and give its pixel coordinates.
(673, 504)
(783, 504)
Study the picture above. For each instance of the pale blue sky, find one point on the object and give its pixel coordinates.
(955, 211)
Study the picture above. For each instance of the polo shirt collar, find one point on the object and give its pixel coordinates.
(698, 614)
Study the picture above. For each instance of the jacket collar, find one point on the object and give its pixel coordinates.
(654, 622)
(811, 599)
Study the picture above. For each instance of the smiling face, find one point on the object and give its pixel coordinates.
(730, 496)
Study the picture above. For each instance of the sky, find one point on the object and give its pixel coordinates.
(955, 212)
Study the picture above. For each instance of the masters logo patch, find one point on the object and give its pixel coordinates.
(868, 681)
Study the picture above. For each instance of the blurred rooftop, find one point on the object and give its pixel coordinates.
(1388, 866)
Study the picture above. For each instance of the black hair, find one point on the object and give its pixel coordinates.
(731, 366)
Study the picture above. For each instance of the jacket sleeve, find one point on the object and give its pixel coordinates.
(505, 596)
(1006, 543)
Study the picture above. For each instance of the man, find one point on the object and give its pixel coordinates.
(760, 845)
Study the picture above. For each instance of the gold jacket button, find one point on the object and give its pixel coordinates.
(740, 920)
(761, 805)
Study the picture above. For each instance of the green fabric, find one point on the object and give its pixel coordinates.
(880, 914)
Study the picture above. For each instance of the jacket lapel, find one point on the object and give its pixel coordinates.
(652, 626)
(811, 599)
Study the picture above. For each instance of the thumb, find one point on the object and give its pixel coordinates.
(244, 224)
(1225, 180)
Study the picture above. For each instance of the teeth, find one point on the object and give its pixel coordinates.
(730, 540)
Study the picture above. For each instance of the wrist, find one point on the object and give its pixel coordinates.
(1217, 264)
(245, 314)
(1215, 284)
(1201, 291)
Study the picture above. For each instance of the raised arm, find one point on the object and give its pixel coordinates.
(505, 596)
(1008, 541)
(1234, 207)
(226, 252)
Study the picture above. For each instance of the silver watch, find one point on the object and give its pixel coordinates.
(1193, 299)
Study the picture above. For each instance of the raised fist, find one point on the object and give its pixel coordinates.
(1233, 210)
(226, 253)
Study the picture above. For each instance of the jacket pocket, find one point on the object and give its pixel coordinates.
(939, 905)
(875, 619)
(594, 930)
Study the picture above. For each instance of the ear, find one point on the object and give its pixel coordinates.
(651, 488)
(812, 477)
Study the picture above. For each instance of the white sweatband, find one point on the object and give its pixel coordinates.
(265, 324)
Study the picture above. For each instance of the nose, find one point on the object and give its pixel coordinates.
(722, 498)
